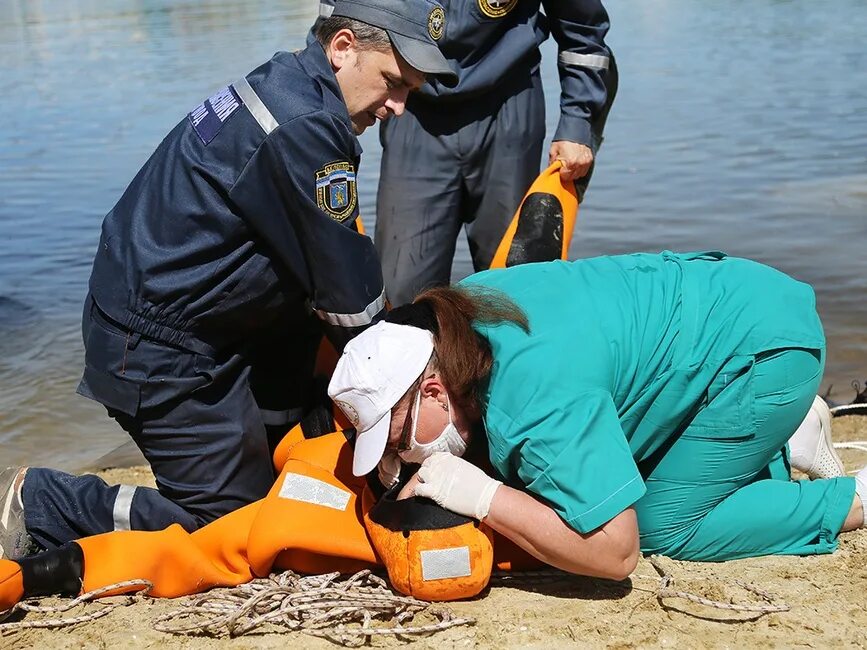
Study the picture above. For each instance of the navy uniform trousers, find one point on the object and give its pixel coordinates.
(223, 416)
(459, 163)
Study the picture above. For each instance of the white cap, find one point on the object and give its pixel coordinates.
(376, 369)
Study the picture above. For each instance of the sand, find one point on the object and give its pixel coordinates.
(827, 595)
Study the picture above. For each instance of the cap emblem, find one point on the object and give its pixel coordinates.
(436, 23)
(497, 8)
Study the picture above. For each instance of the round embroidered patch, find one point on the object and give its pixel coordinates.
(436, 23)
(497, 8)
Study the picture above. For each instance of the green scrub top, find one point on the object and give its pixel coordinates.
(622, 352)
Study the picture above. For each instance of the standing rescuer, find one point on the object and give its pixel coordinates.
(217, 272)
(463, 156)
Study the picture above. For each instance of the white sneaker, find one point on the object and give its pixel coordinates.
(14, 540)
(810, 447)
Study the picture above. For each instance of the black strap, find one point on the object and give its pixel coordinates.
(414, 513)
(55, 572)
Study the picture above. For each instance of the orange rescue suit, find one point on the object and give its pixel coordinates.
(317, 518)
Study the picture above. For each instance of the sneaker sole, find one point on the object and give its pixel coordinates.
(827, 463)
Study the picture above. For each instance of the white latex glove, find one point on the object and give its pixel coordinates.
(389, 469)
(456, 485)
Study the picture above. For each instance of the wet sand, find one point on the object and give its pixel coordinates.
(827, 595)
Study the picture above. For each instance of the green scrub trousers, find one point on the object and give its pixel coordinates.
(670, 383)
(717, 496)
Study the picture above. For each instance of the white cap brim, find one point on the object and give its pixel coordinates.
(370, 445)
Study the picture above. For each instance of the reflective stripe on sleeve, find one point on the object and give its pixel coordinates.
(354, 320)
(122, 507)
(255, 105)
(584, 60)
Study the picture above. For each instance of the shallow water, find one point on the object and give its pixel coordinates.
(739, 126)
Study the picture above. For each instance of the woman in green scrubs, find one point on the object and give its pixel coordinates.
(637, 401)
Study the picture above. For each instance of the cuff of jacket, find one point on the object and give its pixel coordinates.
(575, 129)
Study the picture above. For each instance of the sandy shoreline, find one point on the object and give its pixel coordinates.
(826, 595)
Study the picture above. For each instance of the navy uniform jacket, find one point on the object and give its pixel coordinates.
(242, 218)
(493, 43)
(488, 42)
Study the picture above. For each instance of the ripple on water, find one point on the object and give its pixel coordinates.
(702, 150)
(16, 319)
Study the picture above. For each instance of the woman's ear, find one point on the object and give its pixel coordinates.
(341, 49)
(432, 386)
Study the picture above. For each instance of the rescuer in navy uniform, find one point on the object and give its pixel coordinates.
(217, 272)
(464, 156)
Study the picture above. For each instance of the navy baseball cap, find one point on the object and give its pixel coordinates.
(414, 27)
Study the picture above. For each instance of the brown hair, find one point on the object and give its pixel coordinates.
(367, 36)
(463, 356)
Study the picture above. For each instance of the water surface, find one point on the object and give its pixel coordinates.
(739, 126)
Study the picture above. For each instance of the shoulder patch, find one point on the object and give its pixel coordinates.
(209, 116)
(335, 189)
(496, 8)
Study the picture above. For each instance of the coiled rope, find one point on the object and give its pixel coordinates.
(103, 608)
(342, 611)
(348, 612)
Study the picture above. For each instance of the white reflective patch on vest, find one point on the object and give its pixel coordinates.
(298, 487)
(443, 563)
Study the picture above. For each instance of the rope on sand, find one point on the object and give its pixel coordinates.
(849, 409)
(324, 606)
(104, 608)
(665, 591)
(320, 605)
(342, 611)
(664, 588)
(861, 445)
(858, 405)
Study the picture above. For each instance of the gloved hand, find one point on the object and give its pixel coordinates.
(389, 468)
(456, 485)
